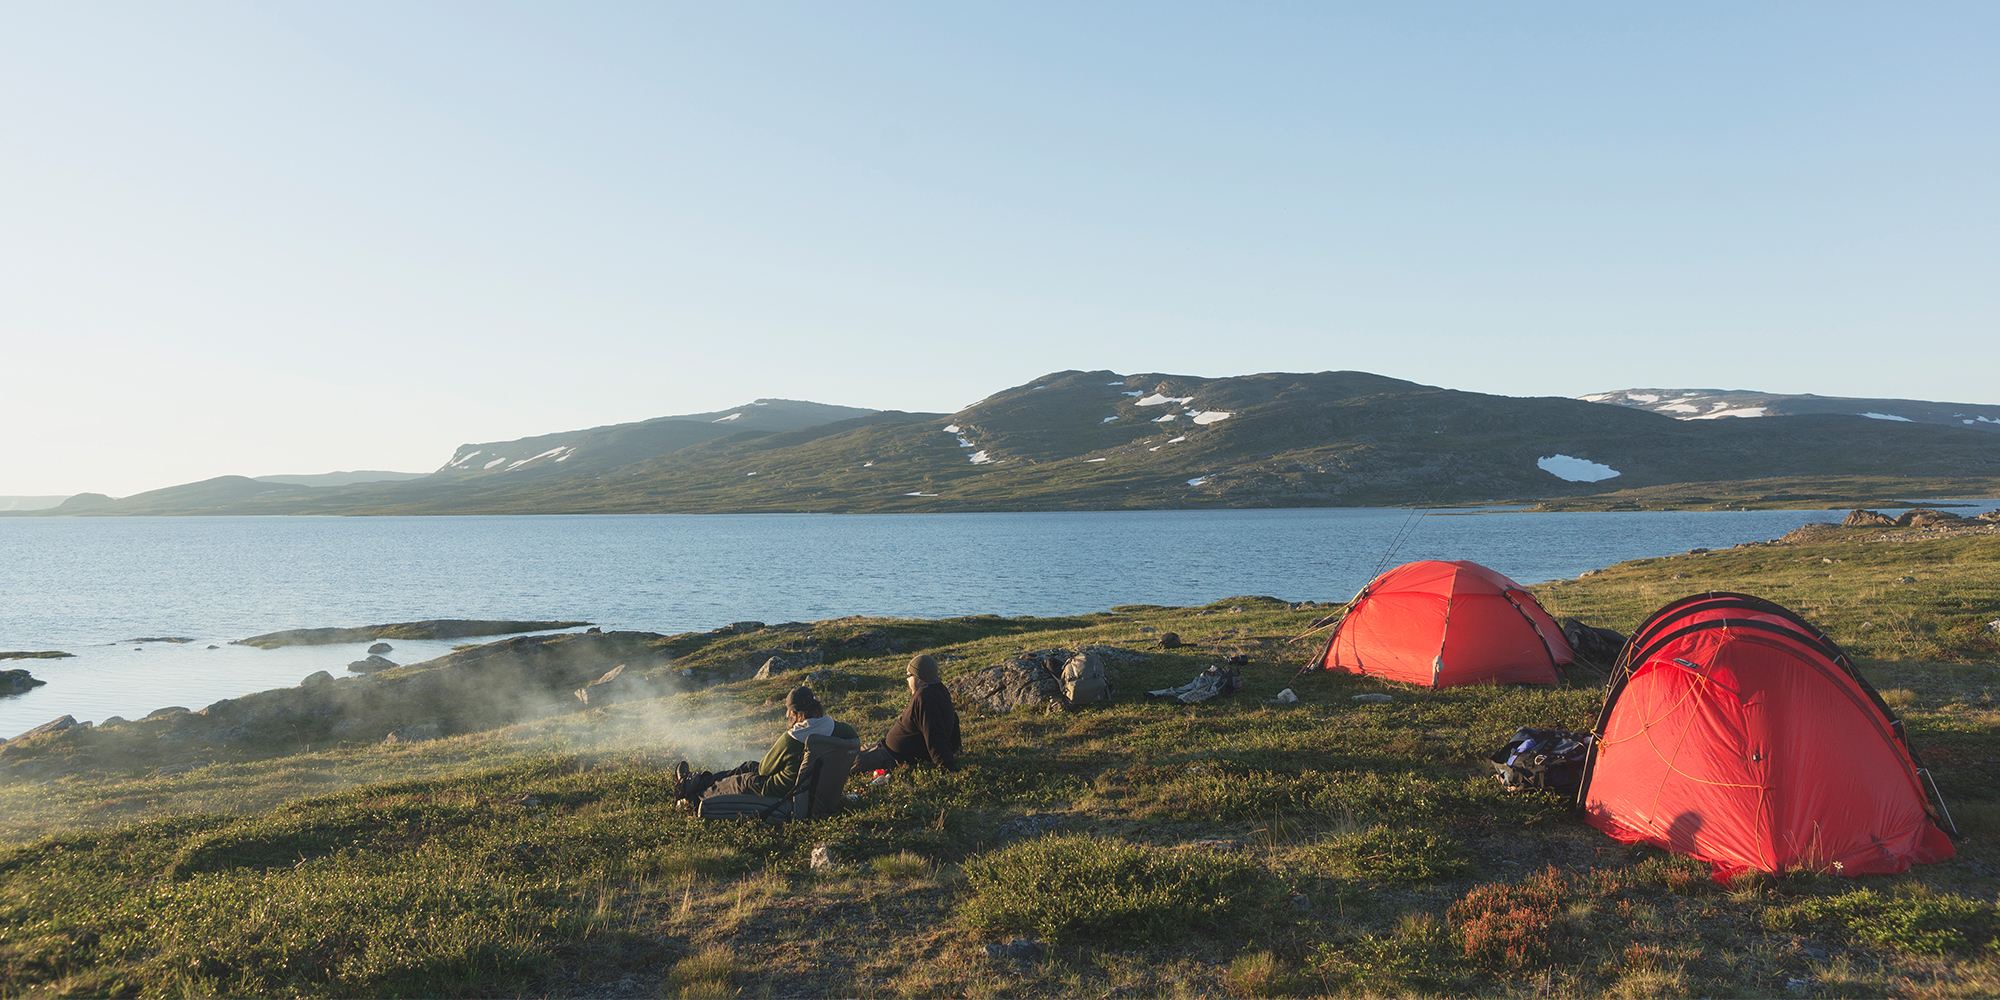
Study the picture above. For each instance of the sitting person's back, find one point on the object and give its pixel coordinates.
(777, 775)
(926, 731)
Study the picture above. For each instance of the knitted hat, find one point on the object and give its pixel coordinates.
(923, 668)
(803, 701)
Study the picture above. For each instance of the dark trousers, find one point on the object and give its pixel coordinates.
(741, 781)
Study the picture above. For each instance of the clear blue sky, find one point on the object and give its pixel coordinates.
(288, 238)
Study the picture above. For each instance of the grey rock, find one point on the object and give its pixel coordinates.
(1170, 640)
(420, 733)
(373, 664)
(380, 647)
(1924, 517)
(1867, 519)
(1018, 949)
(316, 678)
(782, 662)
(613, 687)
(823, 857)
(1013, 683)
(1374, 698)
(54, 726)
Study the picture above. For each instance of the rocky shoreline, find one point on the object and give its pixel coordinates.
(532, 677)
(436, 628)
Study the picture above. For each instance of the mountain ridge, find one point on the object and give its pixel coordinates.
(1084, 440)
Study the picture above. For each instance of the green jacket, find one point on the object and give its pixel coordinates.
(778, 775)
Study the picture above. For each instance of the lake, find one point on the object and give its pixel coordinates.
(91, 585)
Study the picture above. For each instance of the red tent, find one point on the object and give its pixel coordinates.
(1445, 623)
(1735, 733)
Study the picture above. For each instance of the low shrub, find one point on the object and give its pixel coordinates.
(1511, 924)
(1082, 887)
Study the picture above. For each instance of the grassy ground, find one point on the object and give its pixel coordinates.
(1781, 493)
(1327, 847)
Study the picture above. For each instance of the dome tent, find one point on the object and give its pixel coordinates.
(1737, 734)
(1440, 624)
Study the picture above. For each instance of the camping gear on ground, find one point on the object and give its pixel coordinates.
(1084, 679)
(1215, 682)
(1736, 733)
(822, 781)
(1549, 760)
(1444, 623)
(1598, 647)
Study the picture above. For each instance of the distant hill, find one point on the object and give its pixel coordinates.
(601, 448)
(1077, 440)
(342, 478)
(1710, 404)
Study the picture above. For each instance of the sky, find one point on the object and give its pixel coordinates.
(259, 239)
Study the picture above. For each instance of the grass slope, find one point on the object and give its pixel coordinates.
(1362, 850)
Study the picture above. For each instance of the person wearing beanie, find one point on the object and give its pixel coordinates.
(777, 775)
(927, 730)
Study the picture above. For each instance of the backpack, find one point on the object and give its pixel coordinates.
(1541, 759)
(1084, 680)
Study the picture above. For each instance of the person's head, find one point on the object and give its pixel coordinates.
(801, 704)
(922, 670)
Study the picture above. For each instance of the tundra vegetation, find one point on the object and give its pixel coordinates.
(1141, 848)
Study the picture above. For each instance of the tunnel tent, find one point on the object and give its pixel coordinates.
(1736, 733)
(1440, 624)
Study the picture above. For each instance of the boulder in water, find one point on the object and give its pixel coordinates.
(380, 647)
(18, 682)
(373, 664)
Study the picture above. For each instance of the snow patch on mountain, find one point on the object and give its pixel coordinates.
(1732, 411)
(981, 458)
(1208, 416)
(1887, 416)
(1576, 470)
(1114, 416)
(732, 416)
(1199, 480)
(1158, 400)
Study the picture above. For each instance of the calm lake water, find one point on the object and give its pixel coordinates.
(91, 585)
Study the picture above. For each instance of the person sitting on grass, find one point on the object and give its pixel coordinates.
(778, 774)
(927, 731)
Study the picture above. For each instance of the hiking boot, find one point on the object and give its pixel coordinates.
(682, 775)
(683, 805)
